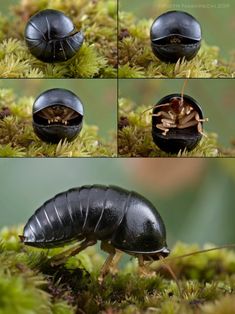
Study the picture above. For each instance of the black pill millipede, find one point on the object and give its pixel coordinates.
(177, 123)
(57, 115)
(52, 37)
(124, 221)
(174, 35)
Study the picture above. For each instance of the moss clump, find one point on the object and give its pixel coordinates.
(136, 59)
(29, 284)
(135, 135)
(17, 138)
(96, 58)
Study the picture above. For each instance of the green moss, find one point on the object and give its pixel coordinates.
(135, 136)
(29, 284)
(17, 138)
(96, 58)
(137, 60)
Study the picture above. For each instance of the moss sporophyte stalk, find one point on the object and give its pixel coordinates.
(17, 138)
(96, 58)
(29, 284)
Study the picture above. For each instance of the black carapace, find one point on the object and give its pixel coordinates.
(122, 220)
(52, 37)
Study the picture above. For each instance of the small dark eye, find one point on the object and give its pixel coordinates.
(57, 114)
(52, 37)
(175, 35)
(177, 124)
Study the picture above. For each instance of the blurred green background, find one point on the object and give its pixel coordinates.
(215, 16)
(216, 97)
(99, 98)
(6, 5)
(195, 196)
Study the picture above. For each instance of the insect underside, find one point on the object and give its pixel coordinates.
(110, 264)
(180, 116)
(58, 114)
(175, 40)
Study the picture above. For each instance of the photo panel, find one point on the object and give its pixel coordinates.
(58, 118)
(58, 39)
(184, 118)
(189, 194)
(175, 39)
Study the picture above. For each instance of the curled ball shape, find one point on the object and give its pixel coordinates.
(57, 115)
(52, 37)
(184, 135)
(174, 35)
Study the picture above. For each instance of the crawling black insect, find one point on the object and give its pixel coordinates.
(122, 220)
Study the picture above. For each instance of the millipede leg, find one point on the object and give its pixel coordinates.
(143, 270)
(62, 257)
(116, 259)
(105, 268)
(110, 265)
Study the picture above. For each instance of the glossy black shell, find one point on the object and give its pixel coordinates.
(52, 37)
(175, 25)
(126, 219)
(176, 139)
(54, 133)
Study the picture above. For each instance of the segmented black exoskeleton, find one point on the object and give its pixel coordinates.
(57, 115)
(121, 219)
(52, 37)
